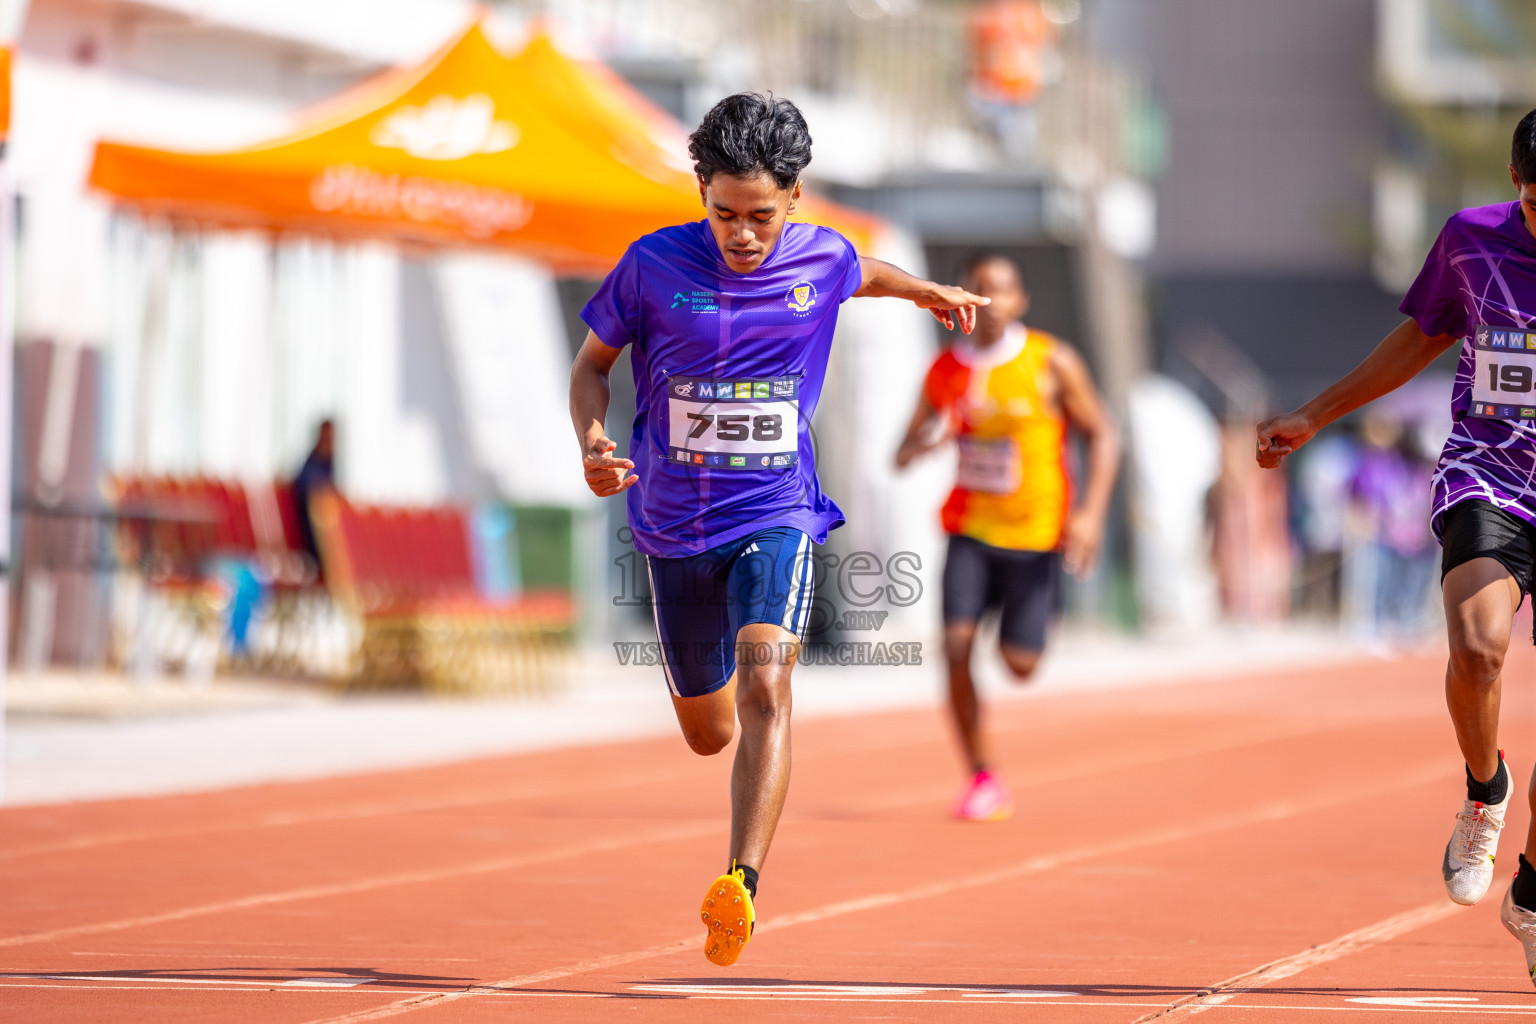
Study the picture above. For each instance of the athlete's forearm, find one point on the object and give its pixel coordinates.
(1103, 468)
(884, 280)
(589, 401)
(589, 404)
(606, 473)
(918, 438)
(1399, 358)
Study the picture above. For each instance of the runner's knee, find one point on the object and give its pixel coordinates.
(764, 692)
(707, 738)
(957, 642)
(1020, 662)
(1477, 657)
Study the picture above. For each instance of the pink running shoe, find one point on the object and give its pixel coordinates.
(985, 799)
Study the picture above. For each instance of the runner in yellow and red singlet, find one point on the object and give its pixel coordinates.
(1007, 396)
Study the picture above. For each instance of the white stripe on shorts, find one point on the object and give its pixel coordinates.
(656, 617)
(796, 611)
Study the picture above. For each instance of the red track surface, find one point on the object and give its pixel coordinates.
(1167, 840)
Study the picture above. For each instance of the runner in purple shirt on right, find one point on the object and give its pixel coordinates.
(1477, 289)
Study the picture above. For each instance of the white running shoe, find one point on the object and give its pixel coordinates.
(1468, 863)
(1522, 925)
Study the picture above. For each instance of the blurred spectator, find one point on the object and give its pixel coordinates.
(1175, 452)
(1252, 535)
(1324, 471)
(1010, 53)
(1391, 569)
(318, 474)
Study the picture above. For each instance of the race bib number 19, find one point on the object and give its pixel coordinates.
(1504, 374)
(734, 424)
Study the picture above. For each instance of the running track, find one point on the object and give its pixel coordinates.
(1253, 849)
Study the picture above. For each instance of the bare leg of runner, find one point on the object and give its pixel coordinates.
(760, 777)
(1480, 602)
(1020, 662)
(709, 721)
(959, 637)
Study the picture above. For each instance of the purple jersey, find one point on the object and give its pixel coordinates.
(728, 370)
(1479, 283)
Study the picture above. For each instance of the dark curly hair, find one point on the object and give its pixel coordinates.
(749, 134)
(1522, 153)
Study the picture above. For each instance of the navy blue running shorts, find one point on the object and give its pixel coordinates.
(702, 600)
(1021, 585)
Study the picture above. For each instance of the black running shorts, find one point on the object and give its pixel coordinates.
(1022, 585)
(1478, 529)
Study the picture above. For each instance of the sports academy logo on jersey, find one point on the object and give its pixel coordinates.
(801, 297)
(696, 302)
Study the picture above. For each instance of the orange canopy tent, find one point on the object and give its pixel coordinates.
(613, 115)
(559, 160)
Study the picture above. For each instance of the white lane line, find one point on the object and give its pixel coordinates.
(902, 798)
(345, 812)
(1105, 765)
(599, 963)
(483, 867)
(1438, 1003)
(1289, 966)
(814, 990)
(545, 790)
(542, 789)
(1277, 811)
(522, 995)
(61, 987)
(150, 981)
(254, 949)
(1438, 1011)
(1502, 1010)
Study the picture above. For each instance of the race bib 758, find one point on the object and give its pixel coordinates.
(742, 423)
(1503, 374)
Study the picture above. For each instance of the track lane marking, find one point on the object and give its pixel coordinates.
(1102, 765)
(1257, 978)
(901, 798)
(314, 982)
(374, 808)
(1503, 1010)
(363, 809)
(484, 797)
(1262, 814)
(306, 989)
(482, 867)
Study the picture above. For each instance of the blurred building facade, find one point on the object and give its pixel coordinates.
(1274, 127)
(1457, 76)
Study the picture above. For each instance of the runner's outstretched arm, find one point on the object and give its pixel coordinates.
(1394, 362)
(605, 474)
(1084, 534)
(882, 280)
(921, 436)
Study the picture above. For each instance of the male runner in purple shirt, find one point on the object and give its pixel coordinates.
(1477, 288)
(729, 322)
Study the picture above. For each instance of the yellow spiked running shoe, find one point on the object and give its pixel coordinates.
(727, 914)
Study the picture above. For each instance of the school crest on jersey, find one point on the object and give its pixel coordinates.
(801, 297)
